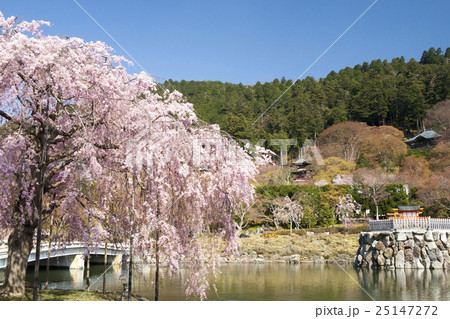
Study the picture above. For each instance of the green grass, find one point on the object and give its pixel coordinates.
(67, 295)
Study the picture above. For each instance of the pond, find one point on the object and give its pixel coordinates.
(301, 282)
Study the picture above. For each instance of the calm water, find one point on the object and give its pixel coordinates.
(275, 282)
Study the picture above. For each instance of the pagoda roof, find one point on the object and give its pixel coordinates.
(301, 161)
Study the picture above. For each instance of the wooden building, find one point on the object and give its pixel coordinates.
(403, 212)
(424, 141)
(302, 171)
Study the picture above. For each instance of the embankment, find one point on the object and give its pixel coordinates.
(404, 249)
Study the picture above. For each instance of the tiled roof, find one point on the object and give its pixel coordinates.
(427, 134)
(409, 208)
(300, 161)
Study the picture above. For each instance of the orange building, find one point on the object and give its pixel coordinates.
(404, 212)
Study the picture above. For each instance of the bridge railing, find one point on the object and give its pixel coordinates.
(76, 248)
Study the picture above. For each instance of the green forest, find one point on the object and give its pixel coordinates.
(396, 93)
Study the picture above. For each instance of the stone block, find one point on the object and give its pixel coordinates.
(436, 235)
(409, 235)
(375, 254)
(439, 255)
(418, 237)
(380, 246)
(381, 260)
(416, 252)
(409, 243)
(400, 236)
(417, 264)
(409, 256)
(431, 255)
(423, 253)
(386, 241)
(388, 253)
(368, 257)
(440, 245)
(407, 265)
(444, 239)
(392, 237)
(401, 245)
(374, 243)
(431, 245)
(399, 260)
(426, 262)
(368, 238)
(428, 236)
(436, 265)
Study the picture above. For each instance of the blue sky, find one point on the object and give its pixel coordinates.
(247, 41)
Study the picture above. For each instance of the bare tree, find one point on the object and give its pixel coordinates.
(373, 184)
(438, 117)
(342, 140)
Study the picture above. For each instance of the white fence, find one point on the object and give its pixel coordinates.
(410, 223)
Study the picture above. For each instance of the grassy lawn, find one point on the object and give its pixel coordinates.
(67, 295)
(328, 246)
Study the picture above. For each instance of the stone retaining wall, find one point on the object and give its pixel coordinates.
(404, 249)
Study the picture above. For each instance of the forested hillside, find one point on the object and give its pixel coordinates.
(396, 93)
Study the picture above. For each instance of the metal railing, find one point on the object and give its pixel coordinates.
(76, 248)
(425, 223)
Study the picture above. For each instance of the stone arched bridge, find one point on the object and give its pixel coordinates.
(69, 257)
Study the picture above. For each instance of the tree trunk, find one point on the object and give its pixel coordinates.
(157, 249)
(157, 267)
(130, 269)
(20, 243)
(291, 227)
(88, 267)
(130, 266)
(105, 261)
(49, 253)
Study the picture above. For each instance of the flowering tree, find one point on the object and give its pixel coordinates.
(190, 184)
(289, 212)
(57, 95)
(346, 206)
(345, 179)
(77, 118)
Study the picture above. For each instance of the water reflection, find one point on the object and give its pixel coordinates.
(77, 276)
(272, 282)
(406, 284)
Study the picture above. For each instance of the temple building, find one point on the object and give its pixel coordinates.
(301, 172)
(424, 141)
(403, 212)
